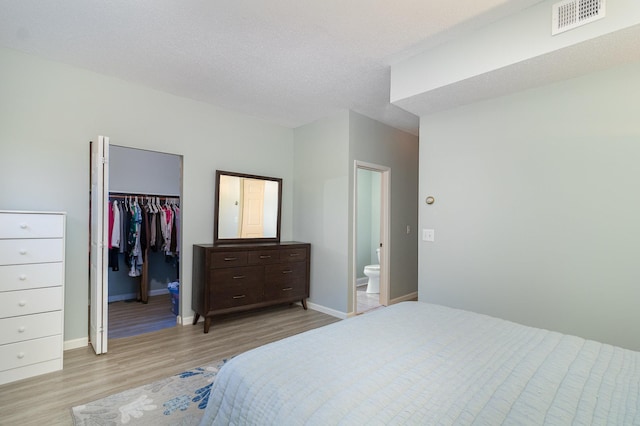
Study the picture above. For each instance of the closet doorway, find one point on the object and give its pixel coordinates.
(371, 236)
(141, 232)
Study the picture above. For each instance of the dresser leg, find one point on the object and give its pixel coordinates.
(196, 317)
(304, 304)
(207, 324)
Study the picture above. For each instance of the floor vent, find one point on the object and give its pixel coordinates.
(571, 14)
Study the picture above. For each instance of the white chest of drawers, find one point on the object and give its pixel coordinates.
(31, 293)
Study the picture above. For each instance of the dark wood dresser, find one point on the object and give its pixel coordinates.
(236, 277)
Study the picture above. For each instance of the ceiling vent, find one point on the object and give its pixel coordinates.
(570, 14)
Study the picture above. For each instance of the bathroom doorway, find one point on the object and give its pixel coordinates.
(371, 231)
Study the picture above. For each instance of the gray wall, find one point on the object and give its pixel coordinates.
(143, 171)
(373, 142)
(48, 114)
(325, 152)
(321, 212)
(537, 212)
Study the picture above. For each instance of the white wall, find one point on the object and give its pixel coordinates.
(321, 212)
(50, 111)
(516, 39)
(537, 212)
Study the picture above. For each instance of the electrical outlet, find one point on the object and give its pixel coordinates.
(428, 235)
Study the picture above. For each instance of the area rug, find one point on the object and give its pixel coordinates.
(176, 400)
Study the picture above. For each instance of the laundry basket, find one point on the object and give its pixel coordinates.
(174, 292)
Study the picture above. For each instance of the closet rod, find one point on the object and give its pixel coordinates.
(124, 195)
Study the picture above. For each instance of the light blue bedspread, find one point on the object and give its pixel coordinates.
(417, 363)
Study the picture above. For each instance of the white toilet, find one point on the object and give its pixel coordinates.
(373, 272)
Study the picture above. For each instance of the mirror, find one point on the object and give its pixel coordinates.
(247, 208)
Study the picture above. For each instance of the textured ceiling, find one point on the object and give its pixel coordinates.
(290, 62)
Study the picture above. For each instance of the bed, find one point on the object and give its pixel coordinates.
(419, 363)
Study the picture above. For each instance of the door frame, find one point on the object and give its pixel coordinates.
(99, 291)
(98, 234)
(385, 242)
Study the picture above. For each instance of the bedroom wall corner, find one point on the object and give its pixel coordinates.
(374, 142)
(321, 177)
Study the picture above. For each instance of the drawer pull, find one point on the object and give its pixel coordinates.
(287, 271)
(21, 329)
(238, 277)
(265, 256)
(241, 296)
(22, 277)
(230, 259)
(23, 225)
(22, 303)
(287, 289)
(294, 254)
(23, 251)
(20, 355)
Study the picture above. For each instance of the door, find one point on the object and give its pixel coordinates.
(252, 209)
(98, 250)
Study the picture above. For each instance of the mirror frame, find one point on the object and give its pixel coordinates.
(218, 241)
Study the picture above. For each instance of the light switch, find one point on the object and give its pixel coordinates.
(428, 235)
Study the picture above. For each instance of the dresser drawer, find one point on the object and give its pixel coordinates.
(228, 259)
(285, 280)
(236, 277)
(26, 302)
(14, 252)
(28, 327)
(293, 255)
(262, 257)
(29, 225)
(285, 272)
(23, 277)
(236, 286)
(29, 352)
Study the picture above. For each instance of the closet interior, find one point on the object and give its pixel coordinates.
(143, 241)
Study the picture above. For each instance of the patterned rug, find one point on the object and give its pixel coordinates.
(176, 400)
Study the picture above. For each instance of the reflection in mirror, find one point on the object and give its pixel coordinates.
(247, 207)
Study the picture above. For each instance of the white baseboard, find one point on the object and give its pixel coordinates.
(313, 306)
(187, 320)
(362, 281)
(405, 298)
(131, 296)
(326, 310)
(75, 343)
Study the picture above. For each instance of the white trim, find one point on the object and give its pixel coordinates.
(326, 310)
(185, 321)
(405, 298)
(76, 343)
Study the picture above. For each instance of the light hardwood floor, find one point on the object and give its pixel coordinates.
(134, 361)
(130, 318)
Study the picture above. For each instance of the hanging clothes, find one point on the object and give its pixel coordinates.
(135, 250)
(138, 224)
(114, 235)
